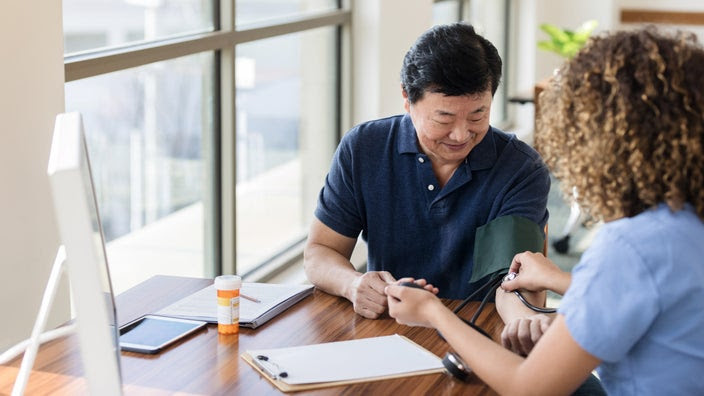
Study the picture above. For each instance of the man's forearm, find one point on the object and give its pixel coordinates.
(328, 270)
(510, 307)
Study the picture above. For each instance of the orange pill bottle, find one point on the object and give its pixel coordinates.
(228, 295)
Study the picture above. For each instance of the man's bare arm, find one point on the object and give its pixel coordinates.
(327, 265)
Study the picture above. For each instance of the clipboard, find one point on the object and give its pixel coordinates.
(360, 357)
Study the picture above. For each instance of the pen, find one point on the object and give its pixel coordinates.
(252, 299)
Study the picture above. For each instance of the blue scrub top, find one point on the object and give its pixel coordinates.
(382, 185)
(636, 302)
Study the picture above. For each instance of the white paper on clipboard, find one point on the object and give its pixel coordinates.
(366, 358)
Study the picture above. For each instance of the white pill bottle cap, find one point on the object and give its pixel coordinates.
(228, 282)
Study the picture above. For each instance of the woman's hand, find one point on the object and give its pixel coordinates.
(413, 306)
(536, 273)
(420, 282)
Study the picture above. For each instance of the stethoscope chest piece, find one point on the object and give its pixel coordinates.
(456, 366)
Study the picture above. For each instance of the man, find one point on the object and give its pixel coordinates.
(419, 185)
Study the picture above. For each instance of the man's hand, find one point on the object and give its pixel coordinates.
(523, 328)
(520, 335)
(367, 293)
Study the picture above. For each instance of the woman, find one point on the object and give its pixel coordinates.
(623, 124)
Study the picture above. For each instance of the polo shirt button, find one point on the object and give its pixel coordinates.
(431, 187)
(421, 160)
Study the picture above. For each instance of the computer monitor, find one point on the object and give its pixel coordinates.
(81, 234)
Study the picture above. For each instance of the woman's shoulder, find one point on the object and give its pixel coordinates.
(660, 222)
(660, 238)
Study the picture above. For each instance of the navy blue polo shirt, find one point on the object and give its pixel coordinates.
(382, 185)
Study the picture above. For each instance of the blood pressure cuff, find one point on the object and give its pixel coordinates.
(496, 242)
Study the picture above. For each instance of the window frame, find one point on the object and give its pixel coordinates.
(220, 235)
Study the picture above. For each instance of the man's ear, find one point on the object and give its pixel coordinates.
(406, 103)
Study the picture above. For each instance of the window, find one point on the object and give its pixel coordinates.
(491, 20)
(150, 160)
(99, 24)
(447, 11)
(196, 131)
(286, 118)
(249, 11)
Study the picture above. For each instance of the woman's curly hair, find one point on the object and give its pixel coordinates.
(623, 123)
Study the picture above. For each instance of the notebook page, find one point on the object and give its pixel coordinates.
(203, 305)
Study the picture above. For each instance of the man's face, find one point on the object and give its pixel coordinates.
(449, 127)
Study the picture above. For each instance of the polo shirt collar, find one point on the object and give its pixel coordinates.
(407, 142)
(482, 156)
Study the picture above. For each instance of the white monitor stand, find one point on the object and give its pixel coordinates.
(81, 233)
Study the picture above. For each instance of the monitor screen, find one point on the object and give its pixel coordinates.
(81, 234)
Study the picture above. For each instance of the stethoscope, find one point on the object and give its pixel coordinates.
(452, 361)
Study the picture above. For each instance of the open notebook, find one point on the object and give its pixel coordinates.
(273, 299)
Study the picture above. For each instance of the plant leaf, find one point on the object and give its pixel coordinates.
(565, 42)
(571, 49)
(584, 31)
(548, 46)
(554, 32)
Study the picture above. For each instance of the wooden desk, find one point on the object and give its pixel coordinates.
(208, 363)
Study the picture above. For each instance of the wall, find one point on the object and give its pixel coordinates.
(532, 64)
(654, 5)
(670, 5)
(571, 13)
(31, 77)
(568, 14)
(382, 32)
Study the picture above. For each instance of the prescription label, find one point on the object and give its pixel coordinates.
(228, 310)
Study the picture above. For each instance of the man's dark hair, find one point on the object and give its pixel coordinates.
(450, 59)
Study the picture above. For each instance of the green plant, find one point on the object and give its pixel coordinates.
(565, 42)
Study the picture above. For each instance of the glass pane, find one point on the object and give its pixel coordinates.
(94, 24)
(490, 19)
(247, 11)
(149, 133)
(446, 11)
(286, 133)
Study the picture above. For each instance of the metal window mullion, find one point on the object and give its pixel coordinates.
(344, 76)
(228, 162)
(83, 66)
(293, 25)
(506, 44)
(89, 65)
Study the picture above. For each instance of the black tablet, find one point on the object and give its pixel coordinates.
(151, 333)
